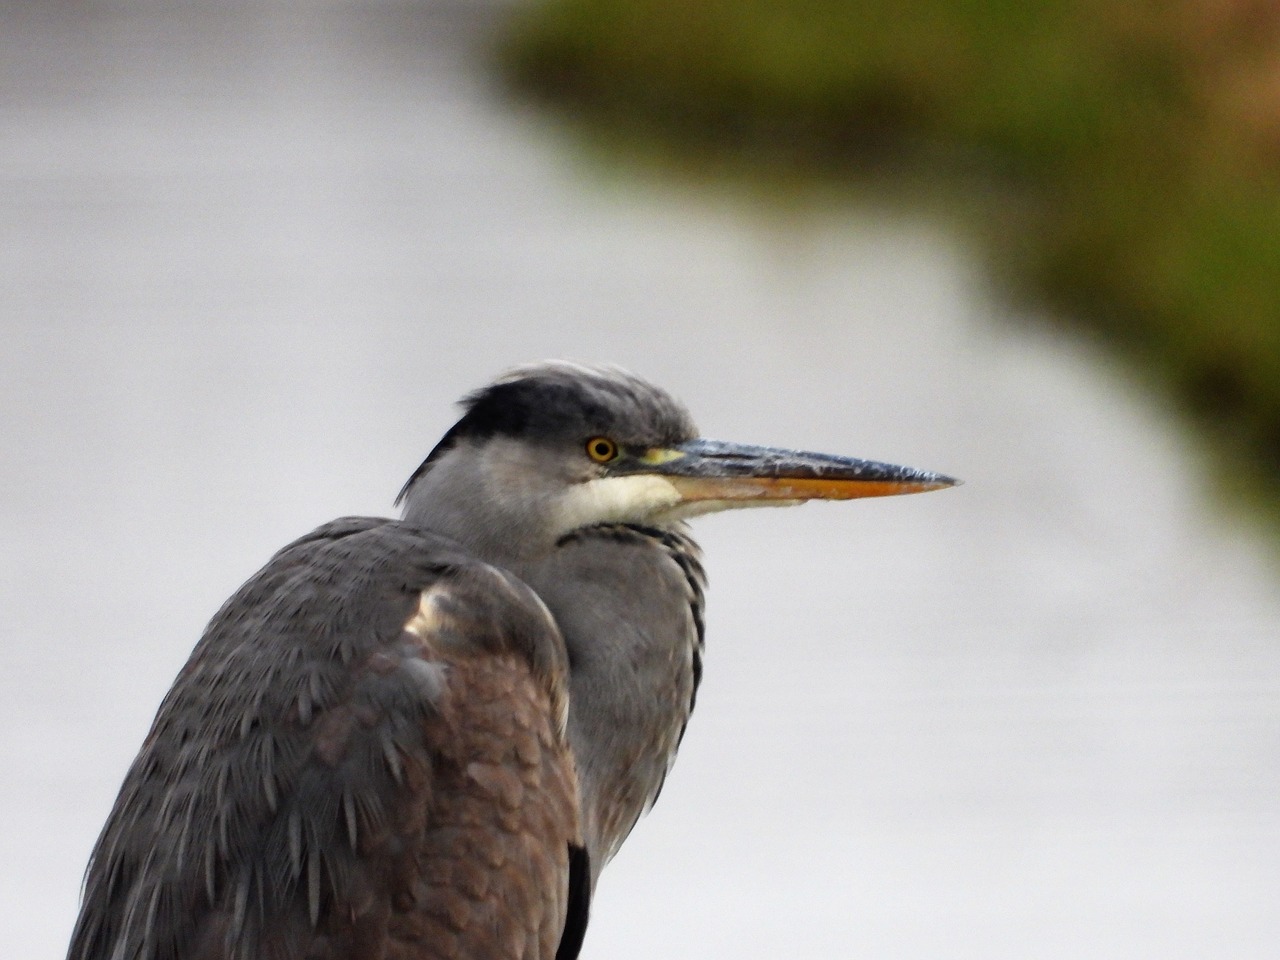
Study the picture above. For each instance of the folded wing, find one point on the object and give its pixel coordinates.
(365, 756)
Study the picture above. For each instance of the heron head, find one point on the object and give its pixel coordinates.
(553, 447)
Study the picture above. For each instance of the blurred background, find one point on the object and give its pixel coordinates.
(251, 254)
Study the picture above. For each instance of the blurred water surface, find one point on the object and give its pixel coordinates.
(249, 258)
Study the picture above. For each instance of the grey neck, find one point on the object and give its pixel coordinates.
(628, 602)
(464, 497)
(631, 617)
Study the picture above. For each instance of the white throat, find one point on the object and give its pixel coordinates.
(634, 499)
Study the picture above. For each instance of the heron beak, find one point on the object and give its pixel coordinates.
(723, 475)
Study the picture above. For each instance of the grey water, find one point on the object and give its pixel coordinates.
(248, 259)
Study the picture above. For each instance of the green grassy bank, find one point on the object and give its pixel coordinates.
(1140, 138)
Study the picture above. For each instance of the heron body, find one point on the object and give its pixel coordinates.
(423, 739)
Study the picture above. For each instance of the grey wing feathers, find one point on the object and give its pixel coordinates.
(278, 803)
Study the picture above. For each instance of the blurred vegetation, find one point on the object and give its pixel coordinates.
(1141, 138)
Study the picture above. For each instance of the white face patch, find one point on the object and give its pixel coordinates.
(615, 500)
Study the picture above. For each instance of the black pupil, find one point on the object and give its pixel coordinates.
(602, 448)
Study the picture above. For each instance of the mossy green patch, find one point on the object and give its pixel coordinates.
(1145, 206)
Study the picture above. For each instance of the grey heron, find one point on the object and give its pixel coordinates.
(423, 738)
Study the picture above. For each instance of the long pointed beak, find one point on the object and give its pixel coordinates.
(722, 474)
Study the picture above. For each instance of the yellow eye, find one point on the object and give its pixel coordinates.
(601, 449)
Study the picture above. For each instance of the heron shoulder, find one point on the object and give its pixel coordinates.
(321, 717)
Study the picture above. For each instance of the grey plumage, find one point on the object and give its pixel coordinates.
(423, 739)
(289, 807)
(628, 597)
(637, 662)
